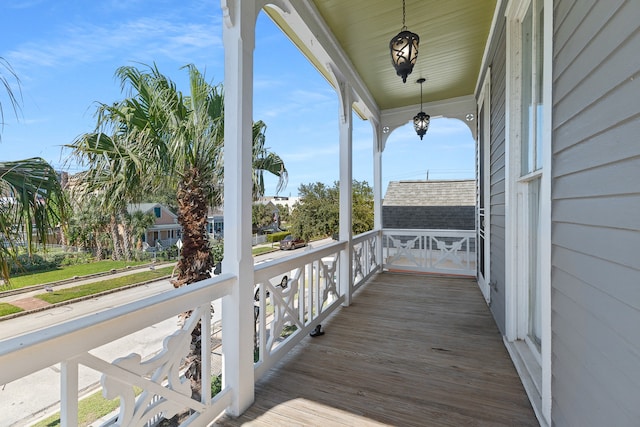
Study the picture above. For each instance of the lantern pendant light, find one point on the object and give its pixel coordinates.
(404, 50)
(421, 120)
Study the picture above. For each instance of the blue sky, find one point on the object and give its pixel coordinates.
(65, 53)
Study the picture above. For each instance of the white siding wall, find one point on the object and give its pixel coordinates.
(596, 213)
(496, 60)
(497, 164)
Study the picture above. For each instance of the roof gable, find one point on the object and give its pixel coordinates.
(148, 207)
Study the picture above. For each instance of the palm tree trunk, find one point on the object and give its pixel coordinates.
(126, 235)
(117, 248)
(196, 261)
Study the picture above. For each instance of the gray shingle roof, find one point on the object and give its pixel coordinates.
(431, 193)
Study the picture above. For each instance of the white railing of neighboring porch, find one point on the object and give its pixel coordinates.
(284, 316)
(430, 251)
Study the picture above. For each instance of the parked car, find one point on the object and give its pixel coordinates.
(290, 242)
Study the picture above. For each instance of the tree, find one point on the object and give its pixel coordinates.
(317, 214)
(139, 222)
(362, 209)
(283, 211)
(32, 202)
(159, 137)
(5, 80)
(261, 215)
(88, 226)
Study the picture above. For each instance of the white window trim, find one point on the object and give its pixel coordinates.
(484, 166)
(533, 367)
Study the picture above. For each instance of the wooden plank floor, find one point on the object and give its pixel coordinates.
(411, 350)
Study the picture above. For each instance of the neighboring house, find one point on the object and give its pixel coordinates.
(433, 204)
(166, 231)
(215, 222)
(288, 201)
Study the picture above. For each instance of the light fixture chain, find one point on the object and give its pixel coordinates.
(403, 16)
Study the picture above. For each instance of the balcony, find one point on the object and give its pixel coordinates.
(410, 349)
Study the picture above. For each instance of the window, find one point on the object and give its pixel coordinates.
(532, 106)
(157, 212)
(528, 216)
(531, 165)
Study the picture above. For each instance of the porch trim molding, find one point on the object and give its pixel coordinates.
(455, 108)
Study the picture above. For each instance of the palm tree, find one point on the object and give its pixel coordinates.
(31, 198)
(159, 137)
(140, 221)
(31, 205)
(5, 82)
(88, 226)
(115, 177)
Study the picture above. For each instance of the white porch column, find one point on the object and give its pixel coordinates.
(377, 175)
(238, 35)
(377, 186)
(346, 180)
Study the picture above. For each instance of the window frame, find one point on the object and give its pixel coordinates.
(533, 364)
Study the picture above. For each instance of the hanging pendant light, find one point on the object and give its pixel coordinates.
(421, 120)
(404, 50)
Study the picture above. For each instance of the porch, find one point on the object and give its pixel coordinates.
(408, 350)
(412, 349)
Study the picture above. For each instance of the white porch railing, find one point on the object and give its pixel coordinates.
(366, 260)
(284, 316)
(430, 251)
(287, 312)
(164, 389)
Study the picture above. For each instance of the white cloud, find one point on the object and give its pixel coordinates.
(145, 39)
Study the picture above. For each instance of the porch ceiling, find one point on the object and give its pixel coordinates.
(452, 38)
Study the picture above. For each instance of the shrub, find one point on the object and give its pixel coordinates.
(276, 237)
(26, 263)
(216, 385)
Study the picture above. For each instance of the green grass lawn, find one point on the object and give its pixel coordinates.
(7, 309)
(90, 409)
(61, 295)
(68, 272)
(262, 250)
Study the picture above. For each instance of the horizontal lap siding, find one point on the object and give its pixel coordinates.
(497, 160)
(596, 213)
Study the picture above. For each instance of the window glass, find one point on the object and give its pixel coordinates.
(539, 72)
(535, 321)
(532, 88)
(526, 143)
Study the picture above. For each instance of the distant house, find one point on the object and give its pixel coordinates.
(166, 231)
(215, 222)
(287, 201)
(431, 204)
